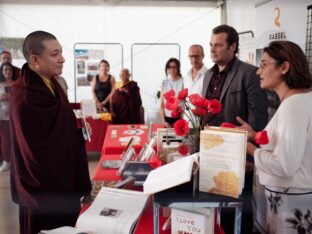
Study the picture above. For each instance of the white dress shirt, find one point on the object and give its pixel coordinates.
(194, 86)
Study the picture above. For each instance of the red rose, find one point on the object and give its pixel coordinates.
(183, 94)
(172, 103)
(207, 101)
(195, 112)
(155, 162)
(202, 102)
(169, 94)
(194, 99)
(227, 125)
(202, 112)
(214, 106)
(262, 138)
(176, 112)
(181, 127)
(183, 149)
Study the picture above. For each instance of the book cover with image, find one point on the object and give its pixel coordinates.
(222, 161)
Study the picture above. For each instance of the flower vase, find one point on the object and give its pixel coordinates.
(193, 140)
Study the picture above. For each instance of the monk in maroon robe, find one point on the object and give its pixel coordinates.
(126, 102)
(49, 172)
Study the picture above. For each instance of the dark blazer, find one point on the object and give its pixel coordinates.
(241, 96)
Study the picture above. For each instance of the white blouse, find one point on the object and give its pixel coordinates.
(176, 85)
(287, 160)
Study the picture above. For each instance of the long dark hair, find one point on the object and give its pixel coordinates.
(2, 79)
(177, 63)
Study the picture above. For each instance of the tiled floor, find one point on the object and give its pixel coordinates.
(9, 210)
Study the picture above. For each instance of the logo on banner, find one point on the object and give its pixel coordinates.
(277, 17)
(279, 35)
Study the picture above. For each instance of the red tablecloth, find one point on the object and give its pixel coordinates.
(113, 145)
(98, 134)
(112, 150)
(98, 131)
(107, 174)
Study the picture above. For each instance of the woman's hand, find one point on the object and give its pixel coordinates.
(99, 105)
(246, 126)
(166, 124)
(251, 148)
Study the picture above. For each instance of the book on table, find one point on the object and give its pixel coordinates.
(88, 107)
(192, 220)
(222, 160)
(171, 174)
(114, 211)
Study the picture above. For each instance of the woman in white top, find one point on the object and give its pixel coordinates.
(174, 81)
(285, 164)
(6, 80)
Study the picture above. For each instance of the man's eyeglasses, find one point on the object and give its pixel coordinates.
(263, 65)
(195, 56)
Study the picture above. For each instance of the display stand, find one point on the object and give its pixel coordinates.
(183, 197)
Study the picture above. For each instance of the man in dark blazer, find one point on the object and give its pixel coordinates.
(236, 85)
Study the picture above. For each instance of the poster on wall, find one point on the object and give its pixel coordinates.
(276, 20)
(15, 47)
(247, 45)
(87, 65)
(87, 57)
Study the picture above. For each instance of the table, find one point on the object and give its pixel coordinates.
(107, 174)
(98, 131)
(112, 150)
(112, 144)
(98, 134)
(181, 197)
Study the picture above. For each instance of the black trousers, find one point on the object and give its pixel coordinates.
(171, 120)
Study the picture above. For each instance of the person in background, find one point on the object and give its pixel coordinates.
(62, 83)
(284, 164)
(174, 81)
(103, 86)
(49, 167)
(236, 85)
(6, 56)
(6, 80)
(193, 80)
(126, 103)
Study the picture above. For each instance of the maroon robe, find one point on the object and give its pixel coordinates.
(49, 168)
(126, 105)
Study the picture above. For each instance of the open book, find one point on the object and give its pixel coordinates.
(114, 211)
(222, 161)
(170, 175)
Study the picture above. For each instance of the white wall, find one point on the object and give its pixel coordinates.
(241, 14)
(121, 24)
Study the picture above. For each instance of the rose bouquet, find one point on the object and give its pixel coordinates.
(196, 110)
